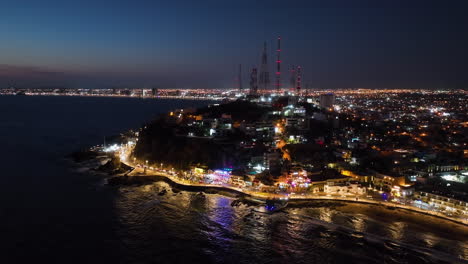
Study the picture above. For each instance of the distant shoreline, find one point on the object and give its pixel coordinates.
(123, 96)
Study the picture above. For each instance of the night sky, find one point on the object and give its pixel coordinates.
(199, 44)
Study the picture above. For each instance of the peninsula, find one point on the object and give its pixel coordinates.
(301, 148)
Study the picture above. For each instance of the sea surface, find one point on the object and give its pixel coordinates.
(52, 212)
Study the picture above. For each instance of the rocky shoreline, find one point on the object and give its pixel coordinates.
(119, 171)
(247, 198)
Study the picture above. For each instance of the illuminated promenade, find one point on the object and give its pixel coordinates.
(141, 172)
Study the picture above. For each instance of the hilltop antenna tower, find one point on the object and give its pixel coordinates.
(253, 82)
(298, 80)
(292, 80)
(278, 66)
(239, 77)
(264, 78)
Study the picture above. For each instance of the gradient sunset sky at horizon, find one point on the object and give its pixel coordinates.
(199, 44)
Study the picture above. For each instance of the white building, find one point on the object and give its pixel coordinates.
(343, 189)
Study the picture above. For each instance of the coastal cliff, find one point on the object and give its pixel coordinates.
(165, 140)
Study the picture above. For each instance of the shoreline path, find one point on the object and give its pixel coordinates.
(140, 172)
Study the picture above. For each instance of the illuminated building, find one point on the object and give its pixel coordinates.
(443, 203)
(327, 100)
(344, 188)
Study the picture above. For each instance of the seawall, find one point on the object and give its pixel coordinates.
(296, 200)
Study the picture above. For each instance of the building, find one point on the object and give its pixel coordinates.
(344, 188)
(319, 116)
(388, 181)
(442, 203)
(402, 191)
(327, 100)
(237, 180)
(272, 160)
(259, 130)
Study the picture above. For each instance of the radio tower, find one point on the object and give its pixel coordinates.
(264, 78)
(298, 80)
(278, 67)
(240, 78)
(253, 82)
(292, 80)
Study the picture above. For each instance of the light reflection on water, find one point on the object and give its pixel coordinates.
(397, 230)
(216, 231)
(326, 214)
(359, 224)
(429, 239)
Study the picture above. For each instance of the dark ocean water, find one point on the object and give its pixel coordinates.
(50, 213)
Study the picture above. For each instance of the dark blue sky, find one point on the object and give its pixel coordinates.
(191, 44)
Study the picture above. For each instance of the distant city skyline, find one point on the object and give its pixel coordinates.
(191, 44)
